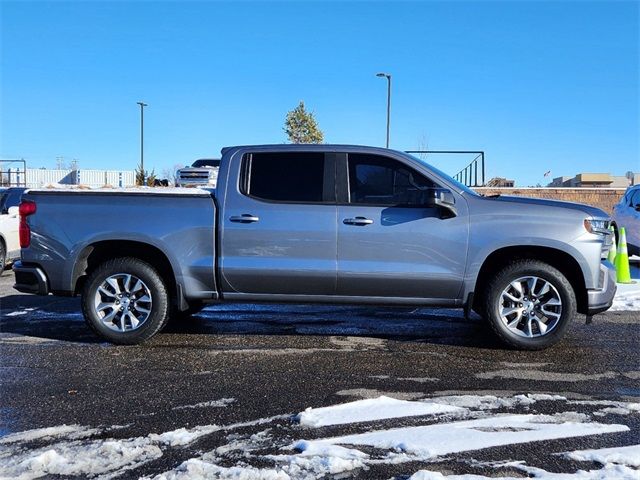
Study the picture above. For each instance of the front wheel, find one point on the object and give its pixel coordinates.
(529, 305)
(125, 301)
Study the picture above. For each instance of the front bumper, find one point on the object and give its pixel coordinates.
(30, 279)
(600, 300)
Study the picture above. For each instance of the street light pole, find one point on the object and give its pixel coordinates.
(142, 105)
(388, 77)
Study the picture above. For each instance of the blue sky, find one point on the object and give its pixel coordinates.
(538, 85)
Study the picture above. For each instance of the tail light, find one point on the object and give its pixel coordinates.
(26, 208)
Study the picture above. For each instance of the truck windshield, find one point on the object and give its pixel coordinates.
(459, 185)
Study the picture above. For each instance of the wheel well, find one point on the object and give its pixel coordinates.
(96, 254)
(556, 258)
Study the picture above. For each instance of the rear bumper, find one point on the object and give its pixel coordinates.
(30, 279)
(600, 300)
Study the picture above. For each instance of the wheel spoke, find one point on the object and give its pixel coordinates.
(541, 326)
(104, 306)
(106, 292)
(510, 310)
(114, 284)
(517, 286)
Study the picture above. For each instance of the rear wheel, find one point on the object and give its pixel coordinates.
(529, 305)
(125, 301)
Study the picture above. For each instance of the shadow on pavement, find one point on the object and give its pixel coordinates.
(55, 318)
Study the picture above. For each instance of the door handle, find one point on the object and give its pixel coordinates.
(360, 221)
(244, 218)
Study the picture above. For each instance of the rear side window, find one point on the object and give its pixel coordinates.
(288, 177)
(378, 180)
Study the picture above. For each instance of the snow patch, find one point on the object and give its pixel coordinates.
(627, 297)
(629, 456)
(492, 402)
(369, 410)
(69, 432)
(442, 439)
(223, 402)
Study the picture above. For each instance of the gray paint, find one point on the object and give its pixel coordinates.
(300, 252)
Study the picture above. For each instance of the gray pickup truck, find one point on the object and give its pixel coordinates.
(317, 223)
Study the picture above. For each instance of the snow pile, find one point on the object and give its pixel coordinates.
(430, 441)
(629, 456)
(370, 410)
(76, 458)
(627, 297)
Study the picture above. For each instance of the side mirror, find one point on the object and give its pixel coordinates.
(442, 197)
(13, 211)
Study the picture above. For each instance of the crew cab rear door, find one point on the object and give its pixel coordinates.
(391, 244)
(278, 224)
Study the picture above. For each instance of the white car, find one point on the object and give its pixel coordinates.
(9, 222)
(626, 214)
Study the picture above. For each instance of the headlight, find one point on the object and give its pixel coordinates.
(597, 226)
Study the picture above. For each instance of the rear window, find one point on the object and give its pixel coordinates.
(285, 177)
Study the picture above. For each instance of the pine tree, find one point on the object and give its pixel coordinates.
(301, 126)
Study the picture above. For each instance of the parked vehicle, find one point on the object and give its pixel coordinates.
(9, 243)
(626, 214)
(203, 173)
(318, 223)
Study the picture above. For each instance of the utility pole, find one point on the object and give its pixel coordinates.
(388, 77)
(142, 105)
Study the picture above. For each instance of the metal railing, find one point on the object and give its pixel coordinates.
(469, 175)
(13, 177)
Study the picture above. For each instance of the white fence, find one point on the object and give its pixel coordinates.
(40, 177)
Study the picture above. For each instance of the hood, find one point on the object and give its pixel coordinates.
(543, 202)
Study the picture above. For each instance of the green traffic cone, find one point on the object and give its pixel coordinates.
(612, 251)
(622, 259)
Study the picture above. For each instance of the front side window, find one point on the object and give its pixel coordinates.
(286, 177)
(378, 180)
(635, 198)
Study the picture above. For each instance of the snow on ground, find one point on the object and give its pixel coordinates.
(629, 456)
(491, 402)
(369, 410)
(430, 441)
(270, 454)
(223, 402)
(627, 297)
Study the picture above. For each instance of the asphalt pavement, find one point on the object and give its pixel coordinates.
(249, 369)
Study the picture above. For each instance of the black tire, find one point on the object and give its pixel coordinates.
(522, 268)
(159, 309)
(3, 257)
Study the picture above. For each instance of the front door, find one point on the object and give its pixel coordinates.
(390, 244)
(279, 225)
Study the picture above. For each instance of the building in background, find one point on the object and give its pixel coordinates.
(595, 180)
(501, 182)
(41, 177)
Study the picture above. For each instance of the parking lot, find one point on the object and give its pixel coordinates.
(222, 391)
